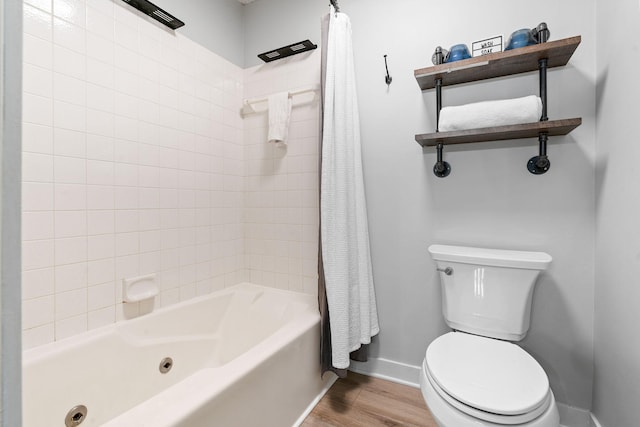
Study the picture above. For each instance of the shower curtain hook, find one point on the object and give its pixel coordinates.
(334, 3)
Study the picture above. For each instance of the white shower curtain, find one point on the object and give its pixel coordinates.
(343, 213)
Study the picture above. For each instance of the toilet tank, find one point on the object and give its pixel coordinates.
(488, 292)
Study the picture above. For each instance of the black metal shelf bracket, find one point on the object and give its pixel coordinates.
(438, 103)
(542, 66)
(441, 169)
(540, 164)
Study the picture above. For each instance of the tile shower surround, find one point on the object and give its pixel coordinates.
(136, 161)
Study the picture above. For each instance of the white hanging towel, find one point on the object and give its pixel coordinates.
(343, 211)
(279, 117)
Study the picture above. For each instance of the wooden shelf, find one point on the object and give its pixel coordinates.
(498, 64)
(527, 130)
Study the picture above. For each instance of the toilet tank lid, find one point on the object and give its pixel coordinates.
(491, 257)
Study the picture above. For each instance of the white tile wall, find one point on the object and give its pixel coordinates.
(133, 163)
(136, 161)
(281, 183)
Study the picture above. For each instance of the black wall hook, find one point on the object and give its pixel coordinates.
(388, 79)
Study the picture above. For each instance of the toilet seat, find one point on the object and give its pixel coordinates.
(486, 378)
(488, 416)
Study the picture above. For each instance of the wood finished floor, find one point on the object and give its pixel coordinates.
(363, 401)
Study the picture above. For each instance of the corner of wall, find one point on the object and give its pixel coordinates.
(10, 218)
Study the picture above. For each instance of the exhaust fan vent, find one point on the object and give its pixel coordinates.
(156, 13)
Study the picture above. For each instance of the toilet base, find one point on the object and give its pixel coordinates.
(448, 416)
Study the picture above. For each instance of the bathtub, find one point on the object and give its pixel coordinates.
(246, 356)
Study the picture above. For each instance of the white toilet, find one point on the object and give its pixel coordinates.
(475, 376)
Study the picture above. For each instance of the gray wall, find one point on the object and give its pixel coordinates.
(270, 24)
(215, 24)
(617, 349)
(10, 176)
(490, 199)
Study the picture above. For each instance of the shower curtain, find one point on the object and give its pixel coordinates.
(345, 288)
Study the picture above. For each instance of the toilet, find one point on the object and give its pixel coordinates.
(475, 375)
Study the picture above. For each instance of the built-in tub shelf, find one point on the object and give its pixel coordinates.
(539, 57)
(527, 130)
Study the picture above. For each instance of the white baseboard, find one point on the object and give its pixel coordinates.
(389, 370)
(571, 416)
(409, 375)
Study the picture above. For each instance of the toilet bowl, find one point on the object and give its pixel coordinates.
(475, 376)
(468, 380)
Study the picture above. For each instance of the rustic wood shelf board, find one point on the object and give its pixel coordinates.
(521, 60)
(526, 130)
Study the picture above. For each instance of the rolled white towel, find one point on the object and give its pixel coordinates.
(486, 114)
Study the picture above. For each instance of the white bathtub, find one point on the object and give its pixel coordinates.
(246, 356)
